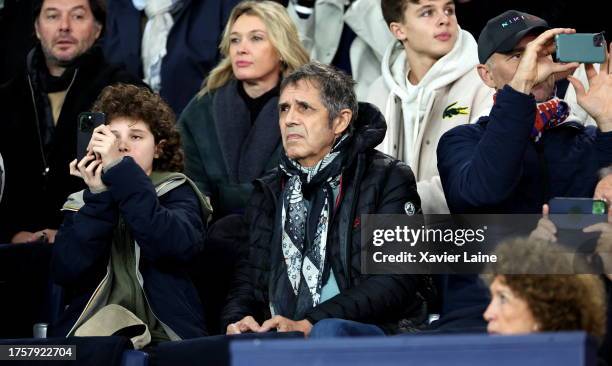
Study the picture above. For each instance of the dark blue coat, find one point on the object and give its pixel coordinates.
(168, 229)
(494, 167)
(192, 45)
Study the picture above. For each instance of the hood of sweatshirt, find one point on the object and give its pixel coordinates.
(462, 58)
(417, 99)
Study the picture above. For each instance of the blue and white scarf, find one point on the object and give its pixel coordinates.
(306, 211)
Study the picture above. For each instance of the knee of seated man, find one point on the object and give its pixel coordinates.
(328, 328)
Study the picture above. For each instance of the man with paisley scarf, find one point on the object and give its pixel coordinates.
(304, 261)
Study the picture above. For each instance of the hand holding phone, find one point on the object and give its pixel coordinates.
(571, 216)
(577, 213)
(90, 170)
(106, 145)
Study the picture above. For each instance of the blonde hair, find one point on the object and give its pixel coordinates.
(281, 30)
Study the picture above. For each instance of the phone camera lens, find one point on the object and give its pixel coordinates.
(599, 208)
(85, 123)
(598, 40)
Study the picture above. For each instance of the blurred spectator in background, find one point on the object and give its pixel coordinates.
(429, 85)
(172, 44)
(350, 35)
(16, 35)
(63, 75)
(230, 129)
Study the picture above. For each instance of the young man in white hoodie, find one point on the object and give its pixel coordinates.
(429, 85)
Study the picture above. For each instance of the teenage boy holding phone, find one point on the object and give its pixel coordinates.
(126, 239)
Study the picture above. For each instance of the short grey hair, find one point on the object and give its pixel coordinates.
(337, 89)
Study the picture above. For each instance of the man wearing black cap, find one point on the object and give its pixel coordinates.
(530, 148)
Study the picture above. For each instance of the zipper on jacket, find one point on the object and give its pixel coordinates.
(268, 194)
(349, 236)
(45, 171)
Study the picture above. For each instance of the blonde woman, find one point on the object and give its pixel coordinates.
(230, 129)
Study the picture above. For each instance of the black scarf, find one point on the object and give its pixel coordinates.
(44, 83)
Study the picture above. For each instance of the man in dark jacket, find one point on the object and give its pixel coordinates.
(304, 260)
(530, 148)
(62, 77)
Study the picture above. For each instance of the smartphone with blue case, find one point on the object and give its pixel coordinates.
(581, 47)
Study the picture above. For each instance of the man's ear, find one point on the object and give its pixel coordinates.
(98, 29)
(397, 29)
(36, 29)
(159, 148)
(341, 122)
(484, 71)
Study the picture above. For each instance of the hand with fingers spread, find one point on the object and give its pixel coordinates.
(106, 144)
(282, 324)
(536, 63)
(248, 324)
(90, 169)
(546, 229)
(597, 101)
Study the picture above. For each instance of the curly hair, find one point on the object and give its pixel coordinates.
(140, 103)
(557, 301)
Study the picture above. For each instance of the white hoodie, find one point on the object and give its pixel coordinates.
(450, 94)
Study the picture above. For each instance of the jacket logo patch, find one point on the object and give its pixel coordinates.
(357, 222)
(451, 111)
(409, 208)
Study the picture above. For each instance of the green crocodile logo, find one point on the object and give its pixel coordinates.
(451, 111)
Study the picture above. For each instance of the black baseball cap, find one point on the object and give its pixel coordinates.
(502, 33)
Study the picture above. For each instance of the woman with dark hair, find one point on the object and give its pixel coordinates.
(125, 239)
